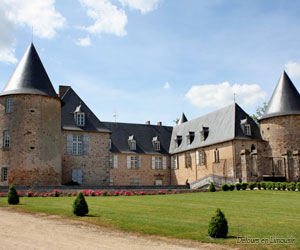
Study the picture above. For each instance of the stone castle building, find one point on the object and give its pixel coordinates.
(53, 139)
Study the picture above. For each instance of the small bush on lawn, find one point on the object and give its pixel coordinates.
(244, 185)
(258, 185)
(12, 196)
(278, 185)
(231, 187)
(238, 186)
(283, 186)
(225, 187)
(212, 187)
(264, 185)
(274, 185)
(218, 226)
(251, 185)
(292, 186)
(269, 185)
(298, 186)
(80, 207)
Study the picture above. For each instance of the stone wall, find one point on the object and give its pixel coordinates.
(34, 154)
(146, 175)
(94, 165)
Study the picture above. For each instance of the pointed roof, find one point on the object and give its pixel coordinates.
(285, 99)
(182, 119)
(30, 77)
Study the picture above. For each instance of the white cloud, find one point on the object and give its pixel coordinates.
(41, 15)
(84, 42)
(167, 85)
(144, 6)
(108, 18)
(293, 69)
(220, 95)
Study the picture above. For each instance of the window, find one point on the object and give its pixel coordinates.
(158, 162)
(204, 133)
(132, 143)
(77, 145)
(200, 157)
(77, 175)
(8, 105)
(111, 181)
(158, 182)
(217, 155)
(80, 119)
(134, 162)
(110, 161)
(174, 162)
(247, 129)
(191, 137)
(134, 181)
(178, 140)
(156, 143)
(188, 160)
(4, 174)
(6, 139)
(113, 161)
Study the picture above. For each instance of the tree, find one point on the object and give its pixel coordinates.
(218, 226)
(12, 196)
(80, 207)
(212, 187)
(176, 120)
(260, 110)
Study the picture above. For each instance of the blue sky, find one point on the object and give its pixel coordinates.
(154, 59)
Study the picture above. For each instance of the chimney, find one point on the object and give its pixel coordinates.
(62, 90)
(148, 122)
(159, 123)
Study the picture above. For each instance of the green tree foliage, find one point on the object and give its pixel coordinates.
(225, 187)
(80, 207)
(212, 187)
(12, 196)
(260, 110)
(218, 226)
(238, 186)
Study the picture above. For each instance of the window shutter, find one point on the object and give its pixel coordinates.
(69, 144)
(172, 162)
(85, 145)
(176, 162)
(79, 176)
(197, 157)
(164, 162)
(140, 161)
(74, 175)
(115, 164)
(153, 162)
(128, 162)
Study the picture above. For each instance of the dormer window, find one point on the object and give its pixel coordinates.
(79, 116)
(178, 140)
(204, 133)
(246, 127)
(132, 142)
(156, 143)
(190, 137)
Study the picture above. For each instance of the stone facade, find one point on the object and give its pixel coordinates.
(33, 156)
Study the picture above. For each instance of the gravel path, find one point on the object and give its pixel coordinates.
(20, 230)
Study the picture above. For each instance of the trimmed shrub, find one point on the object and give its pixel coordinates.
(298, 186)
(278, 185)
(244, 185)
(225, 187)
(231, 187)
(12, 196)
(218, 226)
(292, 186)
(251, 185)
(273, 185)
(238, 186)
(283, 186)
(258, 185)
(80, 207)
(212, 187)
(264, 185)
(270, 185)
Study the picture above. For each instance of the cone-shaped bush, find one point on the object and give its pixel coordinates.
(212, 187)
(12, 196)
(218, 227)
(80, 207)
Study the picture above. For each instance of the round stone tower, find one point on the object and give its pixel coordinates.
(30, 120)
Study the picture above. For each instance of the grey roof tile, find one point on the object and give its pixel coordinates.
(30, 77)
(71, 101)
(285, 99)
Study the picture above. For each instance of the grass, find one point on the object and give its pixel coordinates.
(255, 214)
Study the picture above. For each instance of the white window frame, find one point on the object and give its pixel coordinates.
(4, 174)
(77, 145)
(201, 158)
(8, 106)
(80, 118)
(158, 182)
(188, 160)
(134, 162)
(156, 145)
(158, 163)
(132, 144)
(247, 129)
(6, 139)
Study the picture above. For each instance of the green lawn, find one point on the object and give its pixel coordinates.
(259, 214)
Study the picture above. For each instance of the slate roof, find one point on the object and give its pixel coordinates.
(71, 101)
(182, 119)
(285, 99)
(223, 125)
(30, 77)
(143, 134)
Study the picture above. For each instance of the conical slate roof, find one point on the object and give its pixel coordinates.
(285, 99)
(30, 77)
(182, 119)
